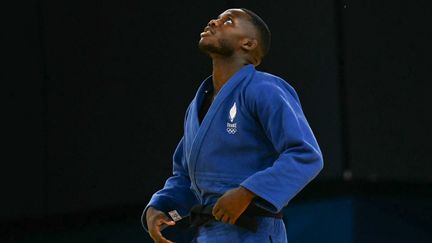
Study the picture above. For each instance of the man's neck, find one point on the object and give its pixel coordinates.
(223, 70)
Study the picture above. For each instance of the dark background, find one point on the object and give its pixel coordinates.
(97, 91)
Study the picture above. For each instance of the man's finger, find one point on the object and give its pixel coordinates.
(215, 209)
(168, 222)
(218, 215)
(225, 219)
(163, 223)
(232, 220)
(216, 212)
(164, 240)
(161, 239)
(157, 236)
(155, 232)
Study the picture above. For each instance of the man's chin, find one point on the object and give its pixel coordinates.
(210, 49)
(205, 47)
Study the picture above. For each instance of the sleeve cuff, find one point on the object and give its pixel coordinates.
(263, 200)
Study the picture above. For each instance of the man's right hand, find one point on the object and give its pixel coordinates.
(156, 222)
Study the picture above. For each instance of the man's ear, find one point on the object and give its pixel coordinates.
(249, 44)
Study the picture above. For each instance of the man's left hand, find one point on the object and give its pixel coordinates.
(232, 204)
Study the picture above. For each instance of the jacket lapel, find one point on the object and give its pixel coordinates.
(197, 132)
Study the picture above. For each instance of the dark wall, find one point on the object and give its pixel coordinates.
(98, 90)
(22, 169)
(386, 51)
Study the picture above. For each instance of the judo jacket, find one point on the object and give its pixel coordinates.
(254, 135)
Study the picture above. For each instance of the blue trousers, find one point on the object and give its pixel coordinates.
(271, 230)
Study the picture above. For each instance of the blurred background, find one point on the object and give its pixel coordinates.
(97, 91)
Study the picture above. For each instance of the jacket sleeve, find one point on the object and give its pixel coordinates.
(276, 106)
(176, 193)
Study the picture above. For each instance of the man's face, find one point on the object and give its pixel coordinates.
(223, 35)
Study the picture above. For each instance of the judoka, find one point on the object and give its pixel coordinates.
(247, 148)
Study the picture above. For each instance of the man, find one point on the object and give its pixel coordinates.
(246, 142)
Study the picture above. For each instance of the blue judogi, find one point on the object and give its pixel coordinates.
(254, 135)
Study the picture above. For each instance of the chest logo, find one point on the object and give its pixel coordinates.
(231, 125)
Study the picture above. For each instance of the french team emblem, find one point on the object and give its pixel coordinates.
(231, 125)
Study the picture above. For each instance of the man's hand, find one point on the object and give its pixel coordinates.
(157, 221)
(232, 204)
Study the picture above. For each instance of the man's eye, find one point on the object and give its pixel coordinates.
(228, 21)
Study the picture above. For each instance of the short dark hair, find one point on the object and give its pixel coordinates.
(262, 29)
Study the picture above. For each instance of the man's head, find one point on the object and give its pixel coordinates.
(236, 32)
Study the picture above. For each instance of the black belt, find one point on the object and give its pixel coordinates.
(201, 215)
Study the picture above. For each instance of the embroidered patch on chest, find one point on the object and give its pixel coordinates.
(231, 125)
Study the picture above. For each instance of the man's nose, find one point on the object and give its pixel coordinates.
(213, 23)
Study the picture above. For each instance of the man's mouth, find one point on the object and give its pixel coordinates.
(205, 33)
(208, 30)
